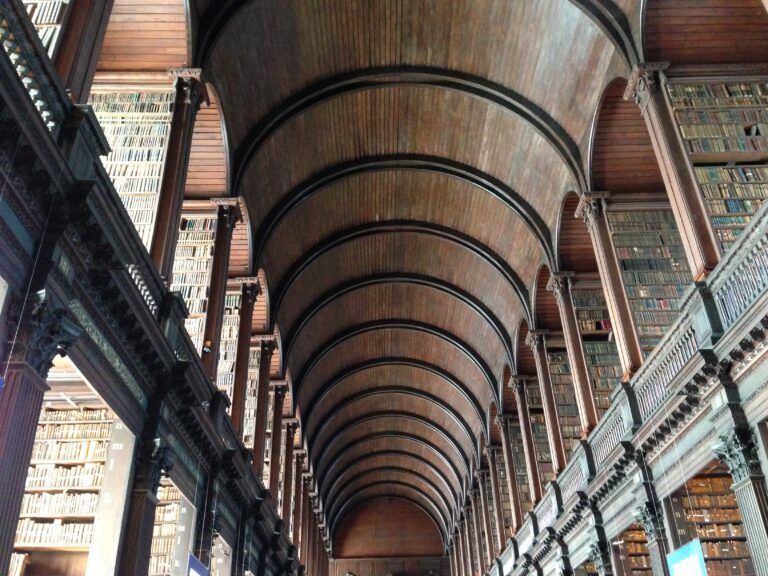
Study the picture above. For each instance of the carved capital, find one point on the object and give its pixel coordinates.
(535, 340)
(161, 463)
(590, 210)
(280, 391)
(517, 383)
(737, 450)
(648, 516)
(643, 81)
(268, 346)
(600, 557)
(189, 82)
(290, 428)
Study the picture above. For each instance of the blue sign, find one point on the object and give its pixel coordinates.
(196, 567)
(688, 560)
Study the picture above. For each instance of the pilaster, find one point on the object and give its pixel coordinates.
(521, 398)
(290, 434)
(248, 293)
(486, 514)
(509, 464)
(479, 554)
(298, 501)
(649, 516)
(268, 346)
(276, 443)
(496, 494)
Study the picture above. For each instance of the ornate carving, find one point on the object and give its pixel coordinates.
(737, 450)
(161, 463)
(648, 515)
(643, 81)
(535, 340)
(590, 210)
(599, 556)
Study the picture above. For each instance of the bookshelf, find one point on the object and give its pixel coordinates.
(506, 503)
(48, 18)
(230, 325)
(137, 126)
(249, 418)
(268, 437)
(653, 267)
(172, 532)
(586, 569)
(192, 267)
(724, 129)
(565, 397)
(491, 508)
(706, 508)
(600, 352)
(539, 432)
(630, 553)
(518, 458)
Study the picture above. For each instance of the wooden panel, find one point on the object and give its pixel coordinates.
(574, 242)
(387, 527)
(706, 31)
(145, 35)
(546, 311)
(207, 173)
(526, 364)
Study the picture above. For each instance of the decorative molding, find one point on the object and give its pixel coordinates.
(737, 449)
(644, 81)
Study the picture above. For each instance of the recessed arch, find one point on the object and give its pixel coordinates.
(572, 241)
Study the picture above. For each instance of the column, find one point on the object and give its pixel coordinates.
(649, 517)
(737, 449)
(535, 340)
(466, 568)
(484, 507)
(189, 93)
(249, 292)
(457, 552)
(645, 88)
(531, 465)
(452, 563)
(476, 528)
(262, 396)
(298, 486)
(468, 542)
(496, 494)
(79, 48)
(288, 463)
(504, 423)
(559, 284)
(276, 443)
(305, 524)
(227, 215)
(592, 210)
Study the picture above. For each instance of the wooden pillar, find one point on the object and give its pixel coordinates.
(504, 423)
(248, 295)
(276, 442)
(592, 210)
(560, 285)
(262, 397)
(535, 340)
(305, 523)
(466, 567)
(82, 37)
(645, 87)
(476, 525)
(189, 93)
(298, 486)
(518, 383)
(486, 514)
(288, 464)
(650, 518)
(452, 564)
(496, 494)
(737, 449)
(225, 224)
(468, 542)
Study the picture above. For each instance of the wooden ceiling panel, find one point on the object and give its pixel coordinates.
(574, 242)
(207, 172)
(145, 35)
(706, 31)
(240, 253)
(406, 345)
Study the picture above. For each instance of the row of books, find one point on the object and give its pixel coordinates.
(68, 416)
(64, 451)
(249, 417)
(55, 534)
(742, 144)
(506, 503)
(18, 564)
(723, 116)
(521, 472)
(565, 399)
(731, 206)
(726, 549)
(160, 564)
(649, 251)
(55, 477)
(46, 11)
(703, 94)
(693, 131)
(225, 376)
(75, 431)
(732, 174)
(59, 504)
(717, 567)
(164, 531)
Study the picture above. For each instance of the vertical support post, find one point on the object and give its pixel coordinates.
(207, 516)
(288, 463)
(466, 567)
(509, 466)
(592, 211)
(476, 528)
(262, 396)
(518, 384)
(484, 507)
(276, 443)
(535, 340)
(189, 94)
(298, 501)
(560, 285)
(305, 524)
(496, 493)
(225, 224)
(649, 517)
(248, 295)
(468, 542)
(645, 88)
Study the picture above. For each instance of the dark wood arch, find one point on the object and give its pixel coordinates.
(392, 361)
(545, 311)
(403, 324)
(445, 166)
(395, 227)
(573, 242)
(456, 292)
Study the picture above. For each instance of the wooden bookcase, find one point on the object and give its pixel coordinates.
(506, 504)
(539, 432)
(249, 418)
(564, 393)
(137, 125)
(521, 473)
(230, 325)
(630, 553)
(268, 437)
(600, 352)
(653, 265)
(172, 532)
(723, 124)
(491, 508)
(48, 18)
(192, 267)
(705, 508)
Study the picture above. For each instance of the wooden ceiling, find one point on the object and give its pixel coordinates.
(407, 168)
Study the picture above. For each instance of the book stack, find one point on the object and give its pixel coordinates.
(539, 432)
(724, 126)
(192, 267)
(565, 398)
(64, 480)
(600, 353)
(164, 531)
(521, 472)
(47, 16)
(18, 564)
(230, 325)
(137, 126)
(653, 268)
(631, 553)
(249, 418)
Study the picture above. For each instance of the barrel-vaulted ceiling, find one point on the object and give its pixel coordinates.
(404, 163)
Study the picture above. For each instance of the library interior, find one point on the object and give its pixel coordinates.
(384, 287)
